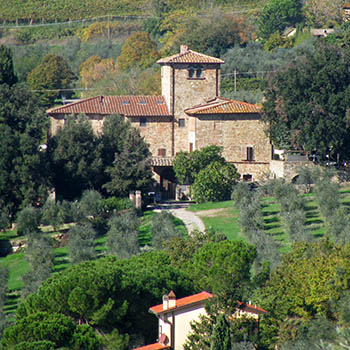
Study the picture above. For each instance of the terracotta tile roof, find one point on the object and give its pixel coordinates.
(220, 105)
(189, 56)
(183, 302)
(154, 346)
(133, 106)
(251, 308)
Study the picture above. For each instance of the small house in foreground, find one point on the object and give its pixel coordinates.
(176, 315)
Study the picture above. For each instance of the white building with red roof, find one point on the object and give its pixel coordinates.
(176, 315)
(189, 115)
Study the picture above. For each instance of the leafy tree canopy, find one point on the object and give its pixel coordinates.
(188, 165)
(215, 182)
(307, 103)
(308, 282)
(53, 73)
(139, 51)
(277, 15)
(46, 331)
(109, 293)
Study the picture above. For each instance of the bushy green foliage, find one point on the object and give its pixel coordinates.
(188, 165)
(277, 15)
(40, 256)
(327, 196)
(223, 267)
(163, 229)
(294, 122)
(28, 220)
(24, 175)
(215, 182)
(7, 74)
(126, 158)
(53, 73)
(221, 337)
(74, 158)
(43, 330)
(81, 243)
(139, 51)
(123, 235)
(52, 214)
(110, 293)
(114, 204)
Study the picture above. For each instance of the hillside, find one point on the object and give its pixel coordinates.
(64, 10)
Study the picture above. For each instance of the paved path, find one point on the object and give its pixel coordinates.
(178, 209)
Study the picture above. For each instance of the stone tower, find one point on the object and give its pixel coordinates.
(188, 79)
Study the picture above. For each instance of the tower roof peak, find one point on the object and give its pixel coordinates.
(189, 56)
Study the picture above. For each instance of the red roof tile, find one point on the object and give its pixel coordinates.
(220, 105)
(251, 308)
(131, 106)
(183, 302)
(189, 56)
(154, 346)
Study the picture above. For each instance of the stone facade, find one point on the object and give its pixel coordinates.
(176, 122)
(236, 133)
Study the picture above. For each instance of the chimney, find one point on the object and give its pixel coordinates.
(183, 48)
(165, 302)
(171, 299)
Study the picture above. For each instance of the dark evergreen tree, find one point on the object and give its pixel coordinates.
(7, 74)
(307, 103)
(127, 158)
(24, 175)
(75, 158)
(221, 338)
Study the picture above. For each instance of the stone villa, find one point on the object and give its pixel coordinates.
(188, 116)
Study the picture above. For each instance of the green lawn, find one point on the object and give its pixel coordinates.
(18, 266)
(222, 217)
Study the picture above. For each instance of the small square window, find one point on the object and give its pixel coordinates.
(161, 152)
(182, 123)
(143, 122)
(247, 177)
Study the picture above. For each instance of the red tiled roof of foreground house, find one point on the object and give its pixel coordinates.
(189, 56)
(192, 299)
(154, 346)
(131, 106)
(220, 105)
(251, 308)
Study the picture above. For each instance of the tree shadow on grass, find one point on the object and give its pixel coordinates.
(271, 220)
(270, 213)
(312, 214)
(314, 222)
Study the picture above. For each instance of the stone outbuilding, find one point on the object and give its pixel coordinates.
(189, 115)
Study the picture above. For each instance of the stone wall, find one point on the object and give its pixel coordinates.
(188, 92)
(236, 132)
(287, 169)
(157, 133)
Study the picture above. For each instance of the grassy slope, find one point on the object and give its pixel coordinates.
(225, 220)
(18, 266)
